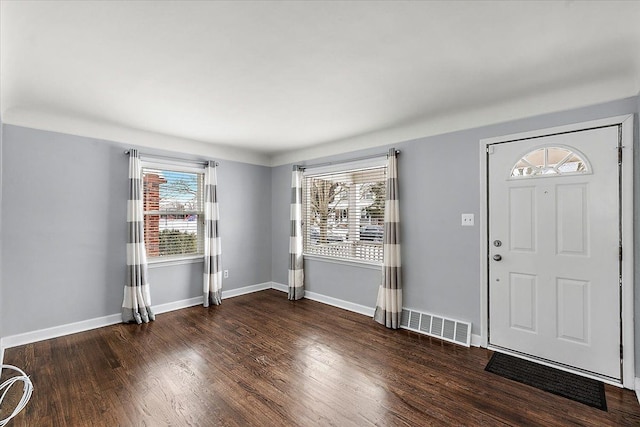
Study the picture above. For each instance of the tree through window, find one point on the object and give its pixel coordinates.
(344, 214)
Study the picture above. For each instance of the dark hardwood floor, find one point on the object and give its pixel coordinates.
(261, 360)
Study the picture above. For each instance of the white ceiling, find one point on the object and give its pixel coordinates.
(268, 81)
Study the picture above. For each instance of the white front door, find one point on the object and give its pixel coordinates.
(554, 239)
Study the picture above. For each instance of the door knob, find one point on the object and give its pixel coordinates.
(497, 257)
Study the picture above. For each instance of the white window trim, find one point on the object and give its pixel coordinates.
(179, 260)
(345, 261)
(172, 166)
(588, 169)
(377, 162)
(175, 166)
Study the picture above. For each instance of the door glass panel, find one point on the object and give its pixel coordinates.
(549, 161)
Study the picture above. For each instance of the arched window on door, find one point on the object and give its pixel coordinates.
(549, 161)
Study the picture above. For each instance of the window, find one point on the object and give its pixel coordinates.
(173, 212)
(344, 214)
(549, 161)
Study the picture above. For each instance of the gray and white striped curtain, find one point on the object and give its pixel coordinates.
(212, 288)
(389, 303)
(296, 262)
(136, 306)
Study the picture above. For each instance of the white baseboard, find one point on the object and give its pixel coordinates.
(246, 290)
(637, 388)
(476, 340)
(112, 319)
(58, 331)
(85, 325)
(335, 302)
(346, 305)
(175, 305)
(279, 287)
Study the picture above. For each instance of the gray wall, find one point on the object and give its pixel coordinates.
(439, 181)
(244, 193)
(64, 216)
(63, 248)
(280, 213)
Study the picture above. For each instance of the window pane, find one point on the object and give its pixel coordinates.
(549, 161)
(174, 221)
(344, 214)
(178, 235)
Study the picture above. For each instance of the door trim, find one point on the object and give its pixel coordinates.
(626, 123)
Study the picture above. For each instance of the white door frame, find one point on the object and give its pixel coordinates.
(626, 122)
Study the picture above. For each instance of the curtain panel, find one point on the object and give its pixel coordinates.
(136, 305)
(212, 287)
(296, 260)
(389, 303)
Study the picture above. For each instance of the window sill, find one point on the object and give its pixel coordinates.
(166, 262)
(350, 262)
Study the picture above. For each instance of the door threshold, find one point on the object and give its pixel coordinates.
(573, 370)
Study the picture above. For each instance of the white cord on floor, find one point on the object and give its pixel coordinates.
(27, 390)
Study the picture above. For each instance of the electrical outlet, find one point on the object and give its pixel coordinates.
(226, 274)
(467, 220)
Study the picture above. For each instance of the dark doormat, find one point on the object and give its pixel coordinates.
(565, 384)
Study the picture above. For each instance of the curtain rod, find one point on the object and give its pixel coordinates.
(174, 159)
(337, 162)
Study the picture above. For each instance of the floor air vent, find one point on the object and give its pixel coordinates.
(454, 331)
